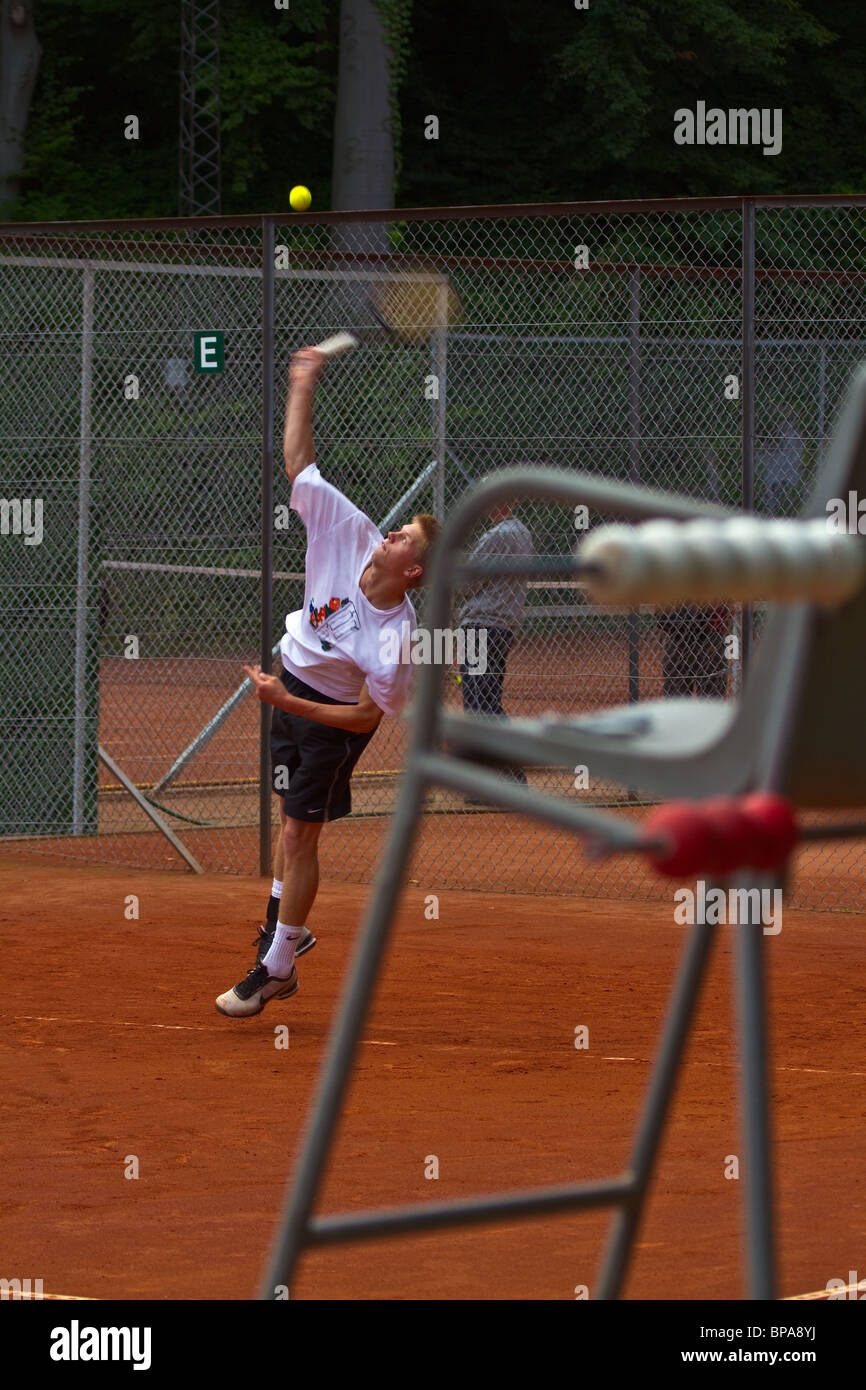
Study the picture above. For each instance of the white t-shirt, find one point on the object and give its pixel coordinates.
(334, 643)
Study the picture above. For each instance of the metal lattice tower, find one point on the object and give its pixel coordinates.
(199, 154)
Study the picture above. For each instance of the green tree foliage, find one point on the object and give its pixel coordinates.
(536, 101)
(105, 59)
(544, 102)
(277, 82)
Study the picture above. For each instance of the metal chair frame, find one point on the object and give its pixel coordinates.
(694, 748)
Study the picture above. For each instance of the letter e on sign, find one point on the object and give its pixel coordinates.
(209, 352)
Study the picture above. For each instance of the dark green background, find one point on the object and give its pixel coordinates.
(536, 101)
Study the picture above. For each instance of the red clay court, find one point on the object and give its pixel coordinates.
(114, 1048)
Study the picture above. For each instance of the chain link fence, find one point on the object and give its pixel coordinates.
(609, 338)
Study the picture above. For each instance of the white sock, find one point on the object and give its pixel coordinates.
(281, 956)
(276, 889)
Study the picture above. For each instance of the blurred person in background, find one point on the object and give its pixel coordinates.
(495, 605)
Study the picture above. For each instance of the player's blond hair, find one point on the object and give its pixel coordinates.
(430, 529)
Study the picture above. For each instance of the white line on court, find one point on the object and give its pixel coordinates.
(374, 1042)
(825, 1294)
(44, 1297)
(696, 1062)
(116, 1023)
(173, 1027)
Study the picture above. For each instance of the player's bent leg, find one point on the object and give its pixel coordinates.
(300, 842)
(320, 763)
(301, 882)
(274, 975)
(268, 929)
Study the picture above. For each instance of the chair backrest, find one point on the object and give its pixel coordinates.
(805, 698)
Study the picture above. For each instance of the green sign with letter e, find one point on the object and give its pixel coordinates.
(209, 352)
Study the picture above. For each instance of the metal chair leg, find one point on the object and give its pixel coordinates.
(755, 1109)
(657, 1104)
(361, 978)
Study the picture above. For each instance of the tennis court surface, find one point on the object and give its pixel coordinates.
(114, 1051)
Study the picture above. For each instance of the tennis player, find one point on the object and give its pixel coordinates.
(334, 687)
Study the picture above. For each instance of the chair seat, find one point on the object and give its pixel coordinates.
(658, 746)
(661, 728)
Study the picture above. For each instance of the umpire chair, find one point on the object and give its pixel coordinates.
(792, 731)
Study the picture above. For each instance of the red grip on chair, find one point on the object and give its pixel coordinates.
(722, 835)
(684, 827)
(773, 819)
(732, 833)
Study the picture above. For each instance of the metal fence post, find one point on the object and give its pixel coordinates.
(440, 367)
(822, 401)
(81, 582)
(267, 535)
(634, 464)
(748, 391)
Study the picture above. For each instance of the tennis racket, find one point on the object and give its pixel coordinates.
(404, 308)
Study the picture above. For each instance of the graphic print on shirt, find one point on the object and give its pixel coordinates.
(338, 618)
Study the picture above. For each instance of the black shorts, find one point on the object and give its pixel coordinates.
(312, 764)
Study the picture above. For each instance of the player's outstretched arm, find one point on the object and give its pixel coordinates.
(305, 369)
(362, 718)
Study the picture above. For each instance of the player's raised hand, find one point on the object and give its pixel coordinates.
(306, 367)
(270, 689)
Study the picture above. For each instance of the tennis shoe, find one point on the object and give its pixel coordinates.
(253, 993)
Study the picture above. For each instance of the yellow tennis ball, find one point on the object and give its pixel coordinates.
(300, 198)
